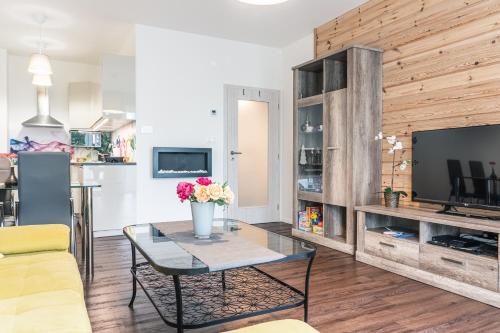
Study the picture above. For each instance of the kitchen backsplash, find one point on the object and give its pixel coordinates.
(123, 140)
(118, 143)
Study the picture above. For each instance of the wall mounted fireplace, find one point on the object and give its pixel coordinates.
(171, 162)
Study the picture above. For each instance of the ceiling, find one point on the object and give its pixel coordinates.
(82, 30)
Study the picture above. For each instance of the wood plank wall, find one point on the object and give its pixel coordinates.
(441, 63)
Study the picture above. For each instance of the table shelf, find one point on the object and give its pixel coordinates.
(208, 301)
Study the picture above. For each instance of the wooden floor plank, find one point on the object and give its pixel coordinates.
(346, 296)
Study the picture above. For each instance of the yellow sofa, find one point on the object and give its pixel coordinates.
(278, 326)
(40, 285)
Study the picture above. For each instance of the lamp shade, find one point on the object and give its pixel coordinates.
(39, 64)
(42, 80)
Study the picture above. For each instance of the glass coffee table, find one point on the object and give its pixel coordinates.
(197, 283)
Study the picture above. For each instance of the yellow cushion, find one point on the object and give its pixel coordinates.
(34, 238)
(286, 325)
(42, 292)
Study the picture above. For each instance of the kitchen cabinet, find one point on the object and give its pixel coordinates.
(118, 83)
(84, 104)
(114, 203)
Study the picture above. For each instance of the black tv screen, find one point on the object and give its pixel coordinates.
(457, 166)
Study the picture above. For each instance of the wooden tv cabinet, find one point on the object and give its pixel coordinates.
(470, 275)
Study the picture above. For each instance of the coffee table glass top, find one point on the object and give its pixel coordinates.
(163, 252)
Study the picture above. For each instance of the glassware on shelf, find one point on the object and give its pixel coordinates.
(306, 126)
(303, 156)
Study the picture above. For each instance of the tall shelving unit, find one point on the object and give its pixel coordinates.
(337, 163)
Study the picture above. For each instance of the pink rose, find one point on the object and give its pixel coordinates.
(184, 190)
(204, 181)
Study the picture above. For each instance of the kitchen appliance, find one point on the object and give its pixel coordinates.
(85, 139)
(43, 117)
(114, 159)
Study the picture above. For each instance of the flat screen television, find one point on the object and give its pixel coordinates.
(457, 167)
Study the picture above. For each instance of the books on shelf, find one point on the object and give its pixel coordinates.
(398, 233)
(311, 220)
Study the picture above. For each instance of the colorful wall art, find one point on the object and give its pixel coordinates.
(31, 145)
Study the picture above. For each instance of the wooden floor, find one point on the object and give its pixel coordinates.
(346, 296)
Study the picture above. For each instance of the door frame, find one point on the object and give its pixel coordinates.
(246, 92)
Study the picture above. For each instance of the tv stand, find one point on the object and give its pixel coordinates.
(451, 210)
(473, 275)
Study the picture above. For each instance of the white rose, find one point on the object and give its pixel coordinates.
(202, 194)
(216, 192)
(228, 195)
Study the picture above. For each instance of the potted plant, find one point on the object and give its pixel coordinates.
(391, 197)
(203, 196)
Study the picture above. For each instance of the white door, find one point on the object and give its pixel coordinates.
(252, 153)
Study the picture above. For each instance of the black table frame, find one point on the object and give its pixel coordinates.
(179, 324)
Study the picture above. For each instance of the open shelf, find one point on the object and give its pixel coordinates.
(310, 196)
(309, 101)
(336, 72)
(335, 221)
(381, 230)
(310, 80)
(336, 243)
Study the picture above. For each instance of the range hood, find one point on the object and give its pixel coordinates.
(112, 120)
(118, 93)
(43, 118)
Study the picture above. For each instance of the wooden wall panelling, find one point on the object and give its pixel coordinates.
(441, 63)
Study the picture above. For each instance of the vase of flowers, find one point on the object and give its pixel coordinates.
(391, 197)
(203, 196)
(12, 180)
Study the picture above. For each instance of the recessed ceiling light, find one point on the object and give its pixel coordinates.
(263, 2)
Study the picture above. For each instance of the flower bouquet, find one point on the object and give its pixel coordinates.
(203, 196)
(391, 197)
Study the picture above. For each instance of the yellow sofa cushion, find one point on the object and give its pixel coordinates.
(41, 292)
(286, 325)
(34, 238)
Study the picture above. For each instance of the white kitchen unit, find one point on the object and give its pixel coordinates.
(114, 204)
(84, 104)
(118, 83)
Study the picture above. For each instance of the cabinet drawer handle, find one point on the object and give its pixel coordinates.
(333, 148)
(456, 262)
(387, 244)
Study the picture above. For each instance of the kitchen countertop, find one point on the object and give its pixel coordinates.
(101, 163)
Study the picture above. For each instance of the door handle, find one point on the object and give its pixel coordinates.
(333, 148)
(387, 244)
(235, 152)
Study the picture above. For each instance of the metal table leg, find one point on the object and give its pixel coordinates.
(83, 224)
(89, 236)
(178, 299)
(134, 279)
(306, 289)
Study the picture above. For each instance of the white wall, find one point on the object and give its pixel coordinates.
(3, 102)
(22, 94)
(294, 54)
(179, 78)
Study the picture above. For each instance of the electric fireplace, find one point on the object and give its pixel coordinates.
(173, 162)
